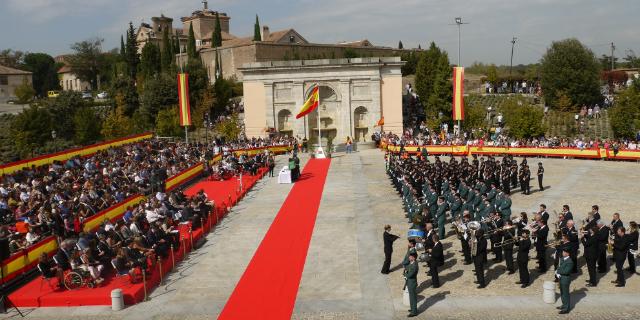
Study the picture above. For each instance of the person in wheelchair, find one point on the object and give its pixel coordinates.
(89, 264)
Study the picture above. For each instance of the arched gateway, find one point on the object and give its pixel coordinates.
(354, 95)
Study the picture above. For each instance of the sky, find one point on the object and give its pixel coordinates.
(51, 26)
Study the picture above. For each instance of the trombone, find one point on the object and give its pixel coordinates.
(507, 242)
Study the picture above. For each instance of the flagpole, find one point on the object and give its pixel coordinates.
(186, 129)
(319, 130)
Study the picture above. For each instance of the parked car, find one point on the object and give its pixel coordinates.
(103, 95)
(53, 93)
(87, 95)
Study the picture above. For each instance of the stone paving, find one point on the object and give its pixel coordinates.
(342, 279)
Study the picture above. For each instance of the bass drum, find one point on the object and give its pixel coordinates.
(415, 234)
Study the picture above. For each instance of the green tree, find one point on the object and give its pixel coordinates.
(564, 103)
(12, 59)
(433, 84)
(125, 95)
(150, 60)
(411, 61)
(400, 46)
(631, 60)
(24, 92)
(571, 67)
(349, 53)
(191, 43)
(522, 119)
(223, 92)
(30, 129)
(116, 124)
(229, 129)
(218, 32)
(87, 60)
(159, 93)
(167, 52)
(132, 58)
(492, 75)
(198, 79)
(625, 114)
(256, 30)
(62, 110)
(87, 125)
(44, 69)
(123, 51)
(474, 117)
(168, 122)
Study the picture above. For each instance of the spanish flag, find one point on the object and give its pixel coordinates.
(458, 93)
(183, 99)
(311, 103)
(380, 122)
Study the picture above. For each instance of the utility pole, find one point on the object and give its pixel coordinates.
(613, 48)
(513, 43)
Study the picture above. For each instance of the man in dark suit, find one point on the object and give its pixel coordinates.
(567, 212)
(428, 237)
(388, 240)
(616, 223)
(593, 218)
(564, 275)
(620, 250)
(524, 245)
(541, 245)
(509, 235)
(603, 239)
(496, 237)
(633, 245)
(590, 243)
(479, 258)
(436, 261)
(543, 213)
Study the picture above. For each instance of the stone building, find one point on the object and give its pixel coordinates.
(286, 44)
(354, 95)
(10, 79)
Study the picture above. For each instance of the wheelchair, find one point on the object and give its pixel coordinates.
(78, 278)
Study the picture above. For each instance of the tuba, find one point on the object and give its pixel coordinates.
(473, 241)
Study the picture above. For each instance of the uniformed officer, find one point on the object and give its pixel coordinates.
(524, 245)
(411, 282)
(564, 275)
(479, 258)
(540, 175)
(441, 216)
(411, 248)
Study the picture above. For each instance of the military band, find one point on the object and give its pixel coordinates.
(475, 197)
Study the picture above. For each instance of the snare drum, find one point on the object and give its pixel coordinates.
(415, 234)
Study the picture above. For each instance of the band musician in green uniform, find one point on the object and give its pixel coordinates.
(411, 282)
(564, 274)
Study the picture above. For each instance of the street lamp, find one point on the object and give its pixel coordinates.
(459, 23)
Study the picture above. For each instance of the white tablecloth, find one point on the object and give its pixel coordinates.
(285, 175)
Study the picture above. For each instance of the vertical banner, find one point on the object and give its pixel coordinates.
(458, 93)
(183, 99)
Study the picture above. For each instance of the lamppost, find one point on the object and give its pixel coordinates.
(459, 23)
(54, 135)
(513, 43)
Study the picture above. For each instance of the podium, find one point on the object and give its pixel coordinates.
(285, 175)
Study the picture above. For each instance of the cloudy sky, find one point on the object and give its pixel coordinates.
(53, 25)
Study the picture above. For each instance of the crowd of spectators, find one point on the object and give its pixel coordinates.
(56, 199)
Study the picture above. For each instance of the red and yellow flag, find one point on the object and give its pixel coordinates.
(380, 122)
(458, 93)
(311, 103)
(183, 99)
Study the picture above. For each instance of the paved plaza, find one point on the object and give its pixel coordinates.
(341, 278)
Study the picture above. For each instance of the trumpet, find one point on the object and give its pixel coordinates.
(554, 244)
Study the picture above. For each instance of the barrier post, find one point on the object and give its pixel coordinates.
(173, 259)
(191, 237)
(160, 268)
(144, 284)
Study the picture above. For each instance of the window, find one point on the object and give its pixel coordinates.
(292, 39)
(198, 43)
(4, 80)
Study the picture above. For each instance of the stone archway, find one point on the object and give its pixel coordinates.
(360, 124)
(285, 123)
(328, 109)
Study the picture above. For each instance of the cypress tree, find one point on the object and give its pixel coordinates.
(122, 50)
(191, 43)
(256, 30)
(400, 46)
(132, 57)
(167, 50)
(217, 33)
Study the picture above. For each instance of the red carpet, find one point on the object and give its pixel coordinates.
(269, 286)
(39, 293)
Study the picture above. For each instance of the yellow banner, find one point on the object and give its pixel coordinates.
(111, 213)
(21, 262)
(180, 178)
